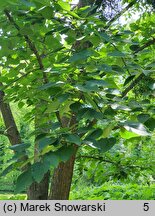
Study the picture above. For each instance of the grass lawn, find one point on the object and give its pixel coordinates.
(12, 197)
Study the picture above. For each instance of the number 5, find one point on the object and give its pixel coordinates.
(146, 207)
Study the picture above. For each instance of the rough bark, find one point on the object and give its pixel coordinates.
(62, 179)
(62, 176)
(11, 127)
(39, 191)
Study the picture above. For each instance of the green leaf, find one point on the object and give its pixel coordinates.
(55, 125)
(65, 152)
(65, 108)
(107, 130)
(109, 112)
(120, 107)
(105, 36)
(105, 68)
(73, 14)
(86, 89)
(51, 159)
(20, 147)
(23, 181)
(127, 134)
(117, 69)
(64, 5)
(136, 128)
(44, 2)
(63, 97)
(116, 54)
(53, 107)
(103, 144)
(152, 85)
(91, 101)
(93, 83)
(26, 30)
(150, 123)
(7, 170)
(134, 47)
(72, 138)
(45, 142)
(75, 107)
(47, 12)
(7, 3)
(38, 171)
(90, 114)
(143, 117)
(51, 84)
(53, 43)
(85, 11)
(81, 56)
(129, 79)
(95, 134)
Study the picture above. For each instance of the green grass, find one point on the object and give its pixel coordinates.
(105, 192)
(12, 197)
(114, 192)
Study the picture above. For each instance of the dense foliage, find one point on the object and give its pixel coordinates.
(81, 80)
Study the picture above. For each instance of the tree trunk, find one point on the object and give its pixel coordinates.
(83, 3)
(39, 191)
(11, 127)
(62, 179)
(62, 176)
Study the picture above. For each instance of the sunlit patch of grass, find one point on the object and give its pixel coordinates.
(13, 197)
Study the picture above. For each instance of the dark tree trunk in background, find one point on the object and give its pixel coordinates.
(39, 191)
(62, 176)
(36, 191)
(11, 127)
(62, 179)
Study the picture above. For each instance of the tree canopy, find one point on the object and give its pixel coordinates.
(85, 78)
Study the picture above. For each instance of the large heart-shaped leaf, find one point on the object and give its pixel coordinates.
(136, 127)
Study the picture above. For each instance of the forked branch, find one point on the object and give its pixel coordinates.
(29, 42)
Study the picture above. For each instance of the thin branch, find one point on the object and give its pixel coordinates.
(29, 42)
(122, 59)
(3, 132)
(120, 13)
(132, 85)
(58, 117)
(95, 158)
(147, 44)
(140, 77)
(101, 159)
(17, 79)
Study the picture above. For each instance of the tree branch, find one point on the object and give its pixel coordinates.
(147, 44)
(17, 79)
(120, 13)
(95, 158)
(121, 58)
(132, 85)
(140, 77)
(101, 159)
(29, 42)
(3, 132)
